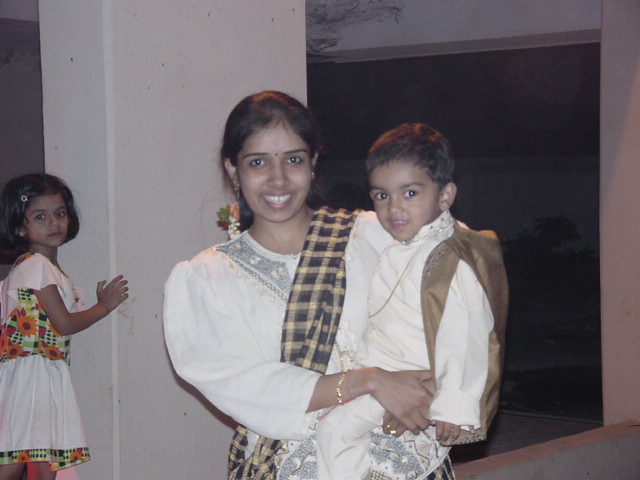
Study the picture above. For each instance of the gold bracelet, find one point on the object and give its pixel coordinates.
(339, 388)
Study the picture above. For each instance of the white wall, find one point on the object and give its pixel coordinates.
(619, 228)
(76, 149)
(135, 96)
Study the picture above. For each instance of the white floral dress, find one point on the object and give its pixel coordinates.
(40, 415)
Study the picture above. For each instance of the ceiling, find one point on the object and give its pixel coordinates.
(328, 20)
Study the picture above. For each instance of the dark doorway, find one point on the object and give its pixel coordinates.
(21, 131)
(524, 127)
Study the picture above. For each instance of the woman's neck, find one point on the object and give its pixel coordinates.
(283, 238)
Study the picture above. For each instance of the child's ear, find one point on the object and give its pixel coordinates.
(447, 196)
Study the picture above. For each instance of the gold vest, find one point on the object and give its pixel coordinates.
(482, 251)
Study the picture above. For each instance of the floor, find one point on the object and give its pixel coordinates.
(540, 405)
(514, 430)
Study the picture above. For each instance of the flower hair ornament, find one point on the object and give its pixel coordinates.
(24, 199)
(229, 219)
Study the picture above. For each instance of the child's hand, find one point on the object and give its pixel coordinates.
(447, 431)
(113, 293)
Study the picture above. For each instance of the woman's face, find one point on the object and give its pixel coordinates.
(274, 172)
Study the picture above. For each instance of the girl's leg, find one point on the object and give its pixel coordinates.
(40, 471)
(11, 472)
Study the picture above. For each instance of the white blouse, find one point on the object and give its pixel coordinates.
(223, 326)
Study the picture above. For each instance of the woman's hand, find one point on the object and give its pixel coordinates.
(406, 396)
(392, 426)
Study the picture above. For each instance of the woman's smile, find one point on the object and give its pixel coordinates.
(277, 200)
(274, 172)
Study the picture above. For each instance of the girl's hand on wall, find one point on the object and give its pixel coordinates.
(112, 294)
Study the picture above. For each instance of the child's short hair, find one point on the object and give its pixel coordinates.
(417, 143)
(16, 197)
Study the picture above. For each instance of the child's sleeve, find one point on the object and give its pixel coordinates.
(462, 351)
(36, 272)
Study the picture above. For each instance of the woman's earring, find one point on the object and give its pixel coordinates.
(229, 215)
(233, 229)
(313, 175)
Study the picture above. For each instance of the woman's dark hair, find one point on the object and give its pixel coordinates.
(16, 198)
(261, 111)
(417, 143)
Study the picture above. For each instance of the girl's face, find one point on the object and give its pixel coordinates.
(45, 224)
(406, 199)
(274, 172)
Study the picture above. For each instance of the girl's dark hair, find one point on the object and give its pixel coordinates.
(261, 111)
(417, 143)
(17, 196)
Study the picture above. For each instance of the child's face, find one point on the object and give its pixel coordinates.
(406, 199)
(46, 223)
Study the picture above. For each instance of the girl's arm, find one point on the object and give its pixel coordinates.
(110, 295)
(406, 394)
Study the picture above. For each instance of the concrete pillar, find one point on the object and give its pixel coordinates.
(619, 226)
(135, 95)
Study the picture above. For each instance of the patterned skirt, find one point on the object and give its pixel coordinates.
(410, 457)
(40, 415)
(443, 472)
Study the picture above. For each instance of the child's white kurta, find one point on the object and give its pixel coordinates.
(396, 341)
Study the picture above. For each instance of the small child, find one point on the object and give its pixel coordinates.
(439, 282)
(40, 425)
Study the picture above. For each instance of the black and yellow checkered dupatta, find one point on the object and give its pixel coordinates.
(310, 324)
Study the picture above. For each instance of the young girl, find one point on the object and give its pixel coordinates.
(40, 424)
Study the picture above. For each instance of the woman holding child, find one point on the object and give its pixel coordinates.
(267, 325)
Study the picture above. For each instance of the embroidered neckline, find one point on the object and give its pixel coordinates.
(270, 269)
(268, 253)
(444, 221)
